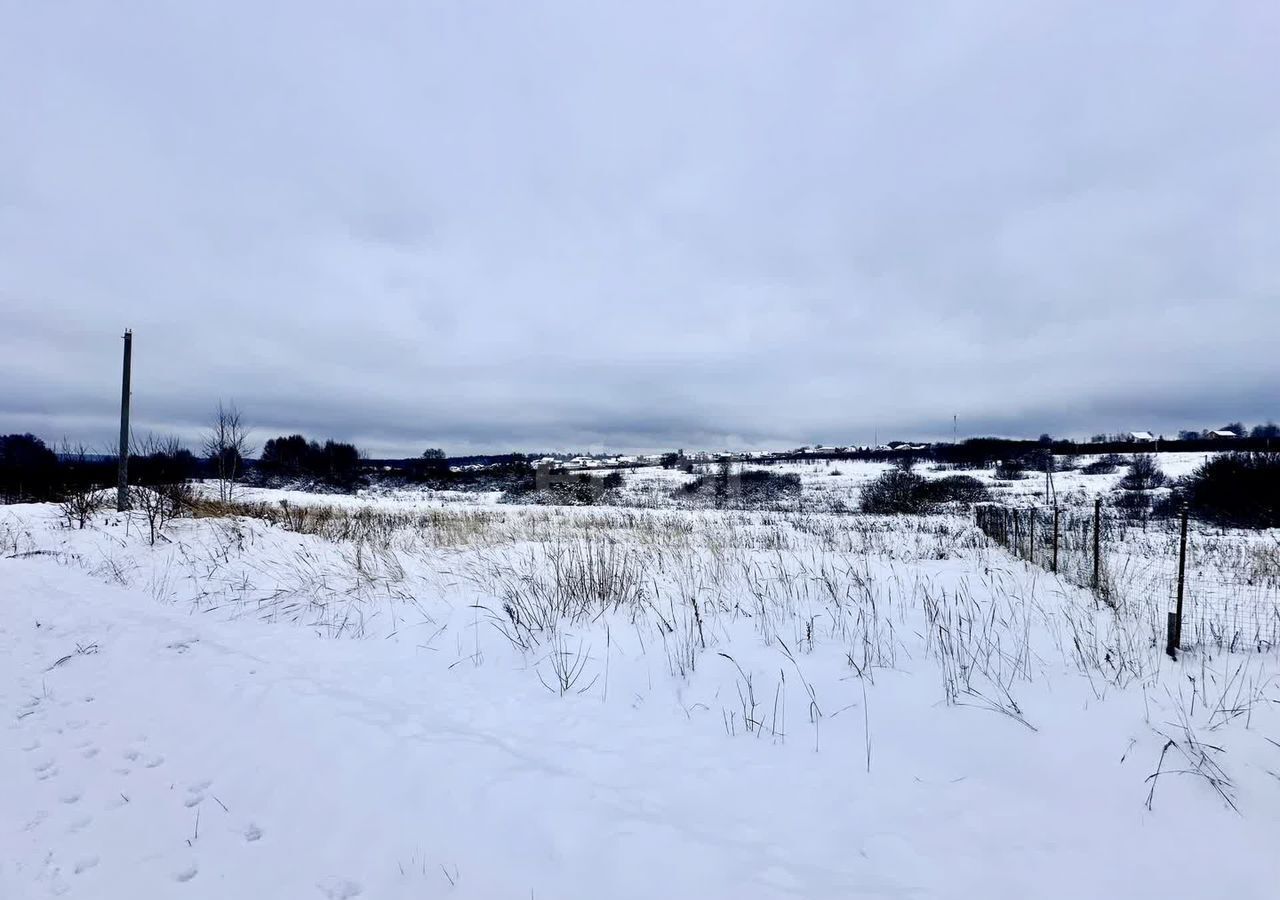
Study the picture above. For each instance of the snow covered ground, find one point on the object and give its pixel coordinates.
(435, 698)
(827, 484)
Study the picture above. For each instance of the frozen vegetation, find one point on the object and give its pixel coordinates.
(410, 694)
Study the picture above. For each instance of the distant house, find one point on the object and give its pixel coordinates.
(1141, 437)
(1222, 435)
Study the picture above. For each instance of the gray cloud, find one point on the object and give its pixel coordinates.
(571, 224)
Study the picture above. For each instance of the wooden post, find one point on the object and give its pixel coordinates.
(1182, 581)
(1055, 540)
(1031, 534)
(1097, 543)
(122, 473)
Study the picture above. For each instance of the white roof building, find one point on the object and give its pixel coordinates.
(1142, 436)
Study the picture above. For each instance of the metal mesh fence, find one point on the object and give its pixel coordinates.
(1230, 581)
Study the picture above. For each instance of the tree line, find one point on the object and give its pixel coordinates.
(33, 471)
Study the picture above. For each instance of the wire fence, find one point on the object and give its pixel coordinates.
(1219, 588)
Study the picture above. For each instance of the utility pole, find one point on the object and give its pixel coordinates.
(122, 482)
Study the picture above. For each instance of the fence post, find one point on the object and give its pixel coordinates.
(1055, 540)
(1175, 623)
(1031, 535)
(1017, 533)
(1097, 543)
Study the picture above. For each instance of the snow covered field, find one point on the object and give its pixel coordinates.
(439, 696)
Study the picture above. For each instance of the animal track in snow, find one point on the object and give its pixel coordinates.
(153, 762)
(253, 833)
(85, 864)
(70, 797)
(80, 824)
(193, 800)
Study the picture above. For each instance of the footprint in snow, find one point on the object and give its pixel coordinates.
(69, 798)
(44, 766)
(33, 745)
(46, 774)
(193, 800)
(186, 874)
(339, 889)
(80, 824)
(253, 833)
(132, 755)
(200, 786)
(153, 762)
(89, 752)
(85, 864)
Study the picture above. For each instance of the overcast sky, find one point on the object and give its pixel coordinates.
(639, 225)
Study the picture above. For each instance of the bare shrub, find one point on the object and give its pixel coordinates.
(160, 504)
(960, 490)
(896, 491)
(902, 492)
(1102, 466)
(82, 483)
(80, 503)
(1010, 470)
(1144, 474)
(747, 489)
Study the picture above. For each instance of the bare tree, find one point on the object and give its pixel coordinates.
(82, 494)
(226, 445)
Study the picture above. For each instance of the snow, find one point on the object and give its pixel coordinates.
(180, 720)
